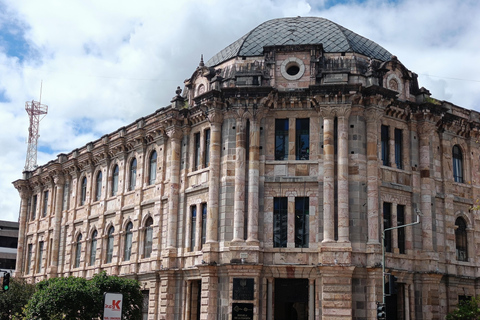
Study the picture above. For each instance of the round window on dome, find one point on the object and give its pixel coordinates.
(292, 68)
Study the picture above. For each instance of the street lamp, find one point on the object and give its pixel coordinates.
(383, 249)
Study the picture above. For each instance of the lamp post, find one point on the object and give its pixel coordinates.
(383, 248)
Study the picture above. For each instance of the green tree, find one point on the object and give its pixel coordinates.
(81, 299)
(14, 300)
(466, 310)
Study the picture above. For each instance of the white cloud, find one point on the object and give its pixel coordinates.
(106, 63)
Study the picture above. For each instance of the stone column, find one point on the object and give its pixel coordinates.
(59, 185)
(253, 182)
(328, 114)
(216, 120)
(336, 295)
(426, 132)
(373, 115)
(239, 197)
(343, 197)
(25, 194)
(175, 134)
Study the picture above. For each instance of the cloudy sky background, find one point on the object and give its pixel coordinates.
(106, 63)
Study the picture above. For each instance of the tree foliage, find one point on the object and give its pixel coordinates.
(466, 310)
(78, 298)
(13, 300)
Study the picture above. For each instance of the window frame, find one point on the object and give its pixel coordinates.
(152, 167)
(461, 240)
(206, 155)
(148, 238)
(83, 194)
(128, 240)
(457, 158)
(45, 203)
(203, 238)
(385, 144)
(193, 223)
(302, 130)
(110, 245)
(387, 223)
(281, 139)
(115, 179)
(302, 223)
(398, 137)
(78, 251)
(280, 222)
(98, 186)
(132, 181)
(93, 248)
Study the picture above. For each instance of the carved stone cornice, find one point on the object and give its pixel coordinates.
(215, 116)
(328, 112)
(24, 188)
(174, 132)
(373, 114)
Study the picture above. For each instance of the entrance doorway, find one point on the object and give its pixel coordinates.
(291, 299)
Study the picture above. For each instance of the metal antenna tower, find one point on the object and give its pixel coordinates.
(36, 112)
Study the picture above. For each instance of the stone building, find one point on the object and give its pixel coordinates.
(263, 189)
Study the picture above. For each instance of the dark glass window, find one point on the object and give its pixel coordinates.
(98, 186)
(148, 238)
(78, 251)
(45, 203)
(115, 180)
(40, 256)
(302, 139)
(197, 150)
(84, 191)
(127, 250)
(281, 139)
(152, 172)
(133, 174)
(401, 231)
(398, 148)
(93, 248)
(280, 222)
(110, 244)
(206, 160)
(193, 224)
(385, 145)
(457, 164)
(301, 222)
(34, 207)
(29, 258)
(66, 191)
(461, 239)
(204, 223)
(387, 223)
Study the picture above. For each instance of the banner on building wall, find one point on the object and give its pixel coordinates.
(112, 306)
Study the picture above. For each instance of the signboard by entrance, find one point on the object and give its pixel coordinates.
(112, 306)
(242, 311)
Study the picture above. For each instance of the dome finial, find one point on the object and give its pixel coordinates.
(201, 64)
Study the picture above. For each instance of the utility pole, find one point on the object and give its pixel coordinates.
(383, 257)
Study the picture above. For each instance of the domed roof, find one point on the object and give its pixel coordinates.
(300, 30)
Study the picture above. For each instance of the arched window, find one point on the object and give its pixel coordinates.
(457, 164)
(83, 197)
(110, 244)
(133, 174)
(93, 248)
(98, 186)
(127, 250)
(115, 180)
(148, 238)
(78, 251)
(461, 239)
(152, 172)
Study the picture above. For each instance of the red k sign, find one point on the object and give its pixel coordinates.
(112, 306)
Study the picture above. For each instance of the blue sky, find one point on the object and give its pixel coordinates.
(104, 64)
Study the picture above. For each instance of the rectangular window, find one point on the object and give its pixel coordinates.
(29, 258)
(387, 223)
(302, 139)
(301, 222)
(385, 147)
(65, 196)
(193, 224)
(280, 222)
(197, 150)
(206, 159)
(146, 295)
(281, 139)
(401, 231)
(34, 207)
(40, 257)
(45, 203)
(204, 223)
(398, 148)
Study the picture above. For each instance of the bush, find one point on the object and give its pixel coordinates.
(13, 301)
(466, 310)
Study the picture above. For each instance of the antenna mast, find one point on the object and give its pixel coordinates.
(36, 112)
